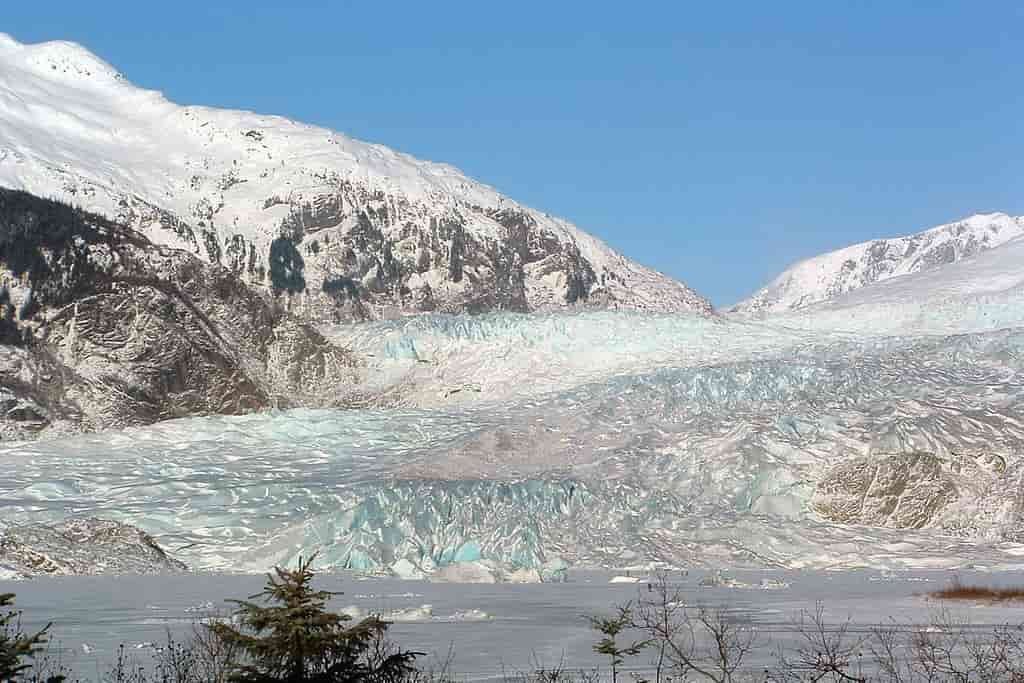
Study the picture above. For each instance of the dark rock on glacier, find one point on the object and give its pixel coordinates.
(82, 546)
(903, 490)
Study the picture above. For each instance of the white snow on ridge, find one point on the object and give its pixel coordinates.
(72, 128)
(835, 273)
(983, 292)
(110, 116)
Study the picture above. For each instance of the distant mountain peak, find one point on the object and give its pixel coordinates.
(58, 59)
(839, 272)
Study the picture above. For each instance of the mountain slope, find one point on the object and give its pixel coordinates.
(346, 229)
(835, 273)
(101, 328)
(979, 293)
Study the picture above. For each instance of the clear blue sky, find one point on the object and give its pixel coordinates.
(717, 142)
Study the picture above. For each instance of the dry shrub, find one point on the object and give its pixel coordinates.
(958, 590)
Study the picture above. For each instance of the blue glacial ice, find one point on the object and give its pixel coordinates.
(599, 438)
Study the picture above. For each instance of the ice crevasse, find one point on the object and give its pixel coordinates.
(602, 438)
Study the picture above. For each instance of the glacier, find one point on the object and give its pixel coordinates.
(603, 438)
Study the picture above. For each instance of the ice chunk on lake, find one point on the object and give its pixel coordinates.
(467, 572)
(421, 613)
(472, 614)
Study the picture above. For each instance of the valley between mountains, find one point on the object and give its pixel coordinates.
(227, 339)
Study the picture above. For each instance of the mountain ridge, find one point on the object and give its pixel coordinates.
(347, 230)
(101, 328)
(835, 273)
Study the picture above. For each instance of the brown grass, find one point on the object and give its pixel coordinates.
(961, 591)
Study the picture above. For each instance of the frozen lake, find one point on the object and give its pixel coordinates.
(526, 624)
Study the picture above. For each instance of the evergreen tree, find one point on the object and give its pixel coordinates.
(15, 646)
(611, 628)
(292, 638)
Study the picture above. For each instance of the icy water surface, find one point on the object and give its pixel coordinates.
(490, 628)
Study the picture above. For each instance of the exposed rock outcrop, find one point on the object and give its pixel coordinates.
(80, 547)
(102, 328)
(903, 490)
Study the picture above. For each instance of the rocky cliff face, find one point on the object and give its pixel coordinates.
(81, 546)
(212, 241)
(341, 229)
(102, 328)
(909, 490)
(836, 273)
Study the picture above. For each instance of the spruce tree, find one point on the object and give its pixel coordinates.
(611, 628)
(293, 638)
(16, 646)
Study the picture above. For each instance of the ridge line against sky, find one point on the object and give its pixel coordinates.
(718, 145)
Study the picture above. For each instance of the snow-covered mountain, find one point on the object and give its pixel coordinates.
(983, 291)
(347, 229)
(868, 419)
(835, 273)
